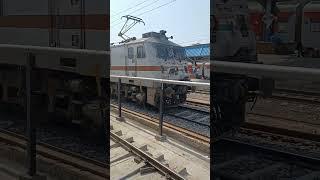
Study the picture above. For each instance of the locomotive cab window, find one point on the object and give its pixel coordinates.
(141, 52)
(130, 53)
(170, 52)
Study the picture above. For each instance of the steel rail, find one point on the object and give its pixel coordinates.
(280, 131)
(188, 120)
(274, 151)
(149, 159)
(59, 150)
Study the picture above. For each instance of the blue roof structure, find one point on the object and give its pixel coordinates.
(198, 50)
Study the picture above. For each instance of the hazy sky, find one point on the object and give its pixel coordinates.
(186, 20)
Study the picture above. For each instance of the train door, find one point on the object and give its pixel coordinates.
(126, 61)
(67, 27)
(131, 61)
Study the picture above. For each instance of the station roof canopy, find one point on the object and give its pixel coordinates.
(198, 51)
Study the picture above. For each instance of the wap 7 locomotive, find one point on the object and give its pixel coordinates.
(152, 56)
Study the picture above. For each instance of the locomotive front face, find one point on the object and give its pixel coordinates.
(171, 60)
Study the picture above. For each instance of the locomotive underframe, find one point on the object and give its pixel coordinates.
(230, 95)
(63, 96)
(172, 94)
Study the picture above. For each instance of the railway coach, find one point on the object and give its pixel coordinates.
(67, 85)
(285, 24)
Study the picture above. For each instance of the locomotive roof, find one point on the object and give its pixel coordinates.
(151, 37)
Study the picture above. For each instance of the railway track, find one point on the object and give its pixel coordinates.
(66, 157)
(141, 158)
(134, 148)
(154, 119)
(120, 154)
(191, 113)
(297, 96)
(173, 118)
(259, 155)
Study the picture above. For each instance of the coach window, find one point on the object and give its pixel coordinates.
(141, 52)
(74, 2)
(130, 53)
(1, 8)
(315, 26)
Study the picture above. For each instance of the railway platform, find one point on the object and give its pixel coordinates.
(151, 157)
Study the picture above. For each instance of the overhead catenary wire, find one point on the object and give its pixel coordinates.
(154, 1)
(157, 7)
(117, 13)
(147, 11)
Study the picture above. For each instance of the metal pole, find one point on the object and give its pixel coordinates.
(102, 97)
(119, 97)
(161, 110)
(120, 118)
(31, 132)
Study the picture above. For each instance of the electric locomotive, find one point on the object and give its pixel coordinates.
(152, 56)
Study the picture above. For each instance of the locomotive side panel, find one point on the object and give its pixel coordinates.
(124, 62)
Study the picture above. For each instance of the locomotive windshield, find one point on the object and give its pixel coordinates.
(170, 52)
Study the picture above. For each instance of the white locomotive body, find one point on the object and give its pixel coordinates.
(66, 84)
(152, 56)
